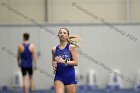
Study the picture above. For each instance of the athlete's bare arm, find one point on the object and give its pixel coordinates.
(20, 49)
(54, 64)
(74, 56)
(32, 49)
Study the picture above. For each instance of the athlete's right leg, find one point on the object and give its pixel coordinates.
(59, 86)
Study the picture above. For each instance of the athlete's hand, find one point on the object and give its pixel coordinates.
(59, 59)
(54, 70)
(54, 64)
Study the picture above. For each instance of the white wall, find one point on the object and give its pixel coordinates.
(110, 10)
(20, 9)
(98, 41)
(58, 11)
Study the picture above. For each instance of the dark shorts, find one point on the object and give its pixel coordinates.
(27, 70)
(66, 81)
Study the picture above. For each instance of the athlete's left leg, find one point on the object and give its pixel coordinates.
(71, 88)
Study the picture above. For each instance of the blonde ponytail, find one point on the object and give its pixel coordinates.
(74, 40)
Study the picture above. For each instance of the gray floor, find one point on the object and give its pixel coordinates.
(79, 91)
